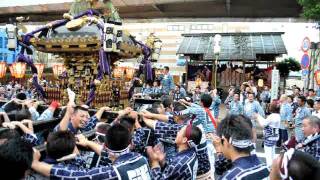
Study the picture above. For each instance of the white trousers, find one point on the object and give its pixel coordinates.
(269, 152)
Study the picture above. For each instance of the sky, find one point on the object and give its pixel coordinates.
(8, 3)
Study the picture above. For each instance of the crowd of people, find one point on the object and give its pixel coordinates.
(180, 137)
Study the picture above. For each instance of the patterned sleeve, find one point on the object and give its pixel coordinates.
(193, 109)
(91, 124)
(166, 131)
(34, 113)
(46, 115)
(259, 109)
(63, 172)
(32, 139)
(139, 140)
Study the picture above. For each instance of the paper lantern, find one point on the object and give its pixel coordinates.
(3, 69)
(40, 68)
(11, 71)
(118, 72)
(129, 73)
(317, 77)
(58, 69)
(19, 69)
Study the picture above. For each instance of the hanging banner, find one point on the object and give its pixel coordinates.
(275, 84)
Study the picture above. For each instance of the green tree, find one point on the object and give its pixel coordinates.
(285, 66)
(311, 9)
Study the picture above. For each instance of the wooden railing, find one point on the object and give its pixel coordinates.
(102, 98)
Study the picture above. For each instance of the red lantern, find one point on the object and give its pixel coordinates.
(3, 69)
(58, 69)
(40, 68)
(19, 69)
(12, 71)
(317, 77)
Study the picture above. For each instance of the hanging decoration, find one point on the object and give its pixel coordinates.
(19, 69)
(40, 68)
(3, 69)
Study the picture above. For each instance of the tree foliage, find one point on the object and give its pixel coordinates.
(287, 65)
(311, 8)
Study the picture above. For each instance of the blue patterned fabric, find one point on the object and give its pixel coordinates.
(201, 117)
(125, 167)
(183, 166)
(147, 91)
(46, 115)
(248, 167)
(251, 108)
(236, 108)
(312, 148)
(301, 113)
(34, 113)
(167, 83)
(216, 101)
(76, 163)
(203, 159)
(156, 90)
(88, 127)
(285, 114)
(32, 139)
(167, 133)
(271, 136)
(140, 139)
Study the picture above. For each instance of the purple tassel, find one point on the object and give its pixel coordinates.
(92, 94)
(39, 88)
(29, 62)
(104, 62)
(148, 70)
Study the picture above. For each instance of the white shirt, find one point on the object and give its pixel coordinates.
(316, 113)
(273, 120)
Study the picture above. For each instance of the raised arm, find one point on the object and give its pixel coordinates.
(63, 125)
(83, 141)
(160, 117)
(101, 111)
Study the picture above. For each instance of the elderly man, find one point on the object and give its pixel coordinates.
(311, 142)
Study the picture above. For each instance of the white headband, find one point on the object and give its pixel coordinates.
(240, 143)
(284, 165)
(118, 153)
